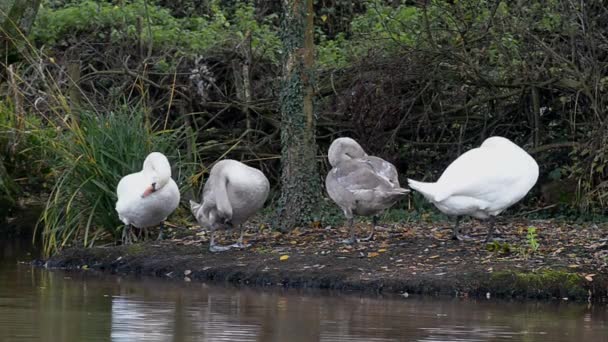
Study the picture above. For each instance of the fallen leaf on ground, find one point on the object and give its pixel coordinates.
(372, 254)
(284, 257)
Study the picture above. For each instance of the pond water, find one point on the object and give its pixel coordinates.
(41, 305)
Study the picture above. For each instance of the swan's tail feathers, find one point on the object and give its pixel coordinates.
(431, 191)
(194, 207)
(395, 194)
(400, 191)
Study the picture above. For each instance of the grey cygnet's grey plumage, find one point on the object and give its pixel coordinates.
(360, 184)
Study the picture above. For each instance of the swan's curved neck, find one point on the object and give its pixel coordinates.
(342, 150)
(157, 167)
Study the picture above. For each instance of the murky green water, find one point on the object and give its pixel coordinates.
(38, 305)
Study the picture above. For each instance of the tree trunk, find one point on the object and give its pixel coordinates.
(300, 182)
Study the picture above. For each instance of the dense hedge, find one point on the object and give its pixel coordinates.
(417, 82)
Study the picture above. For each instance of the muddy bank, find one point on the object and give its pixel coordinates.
(414, 259)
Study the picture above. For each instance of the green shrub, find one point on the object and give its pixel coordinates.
(135, 21)
(22, 163)
(382, 28)
(8, 187)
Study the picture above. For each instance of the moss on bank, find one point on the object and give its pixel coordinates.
(542, 284)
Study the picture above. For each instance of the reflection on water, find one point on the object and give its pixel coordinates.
(37, 305)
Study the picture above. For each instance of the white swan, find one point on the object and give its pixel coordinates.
(482, 182)
(147, 197)
(232, 194)
(360, 184)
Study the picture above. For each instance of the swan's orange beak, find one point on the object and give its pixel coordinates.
(149, 190)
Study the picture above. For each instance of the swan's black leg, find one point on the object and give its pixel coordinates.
(160, 232)
(126, 235)
(456, 229)
(490, 228)
(371, 234)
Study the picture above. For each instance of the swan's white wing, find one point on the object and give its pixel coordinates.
(129, 185)
(127, 196)
(485, 173)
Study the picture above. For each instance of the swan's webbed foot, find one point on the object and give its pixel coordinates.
(240, 245)
(460, 237)
(372, 233)
(368, 238)
(219, 248)
(214, 248)
(351, 240)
